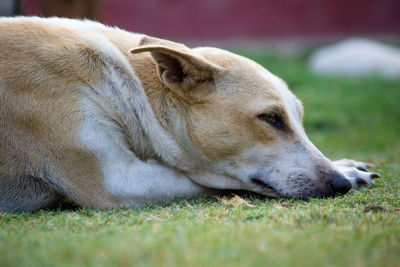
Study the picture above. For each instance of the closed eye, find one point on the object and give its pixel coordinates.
(273, 119)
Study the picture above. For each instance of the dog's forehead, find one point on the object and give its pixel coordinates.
(247, 76)
(251, 82)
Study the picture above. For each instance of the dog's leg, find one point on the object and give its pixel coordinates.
(356, 172)
(138, 183)
(25, 194)
(141, 183)
(132, 181)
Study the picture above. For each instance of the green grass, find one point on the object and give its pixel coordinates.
(345, 118)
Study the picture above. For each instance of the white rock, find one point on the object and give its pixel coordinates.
(357, 57)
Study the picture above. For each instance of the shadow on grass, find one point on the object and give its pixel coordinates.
(67, 205)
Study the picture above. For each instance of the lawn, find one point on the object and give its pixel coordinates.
(357, 119)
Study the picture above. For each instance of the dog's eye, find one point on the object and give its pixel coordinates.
(273, 119)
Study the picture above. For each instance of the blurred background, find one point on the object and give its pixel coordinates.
(229, 20)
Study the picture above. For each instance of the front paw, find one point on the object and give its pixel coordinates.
(356, 172)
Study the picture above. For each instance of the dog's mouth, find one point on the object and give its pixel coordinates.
(264, 187)
(261, 183)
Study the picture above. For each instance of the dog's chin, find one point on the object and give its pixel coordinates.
(261, 187)
(217, 181)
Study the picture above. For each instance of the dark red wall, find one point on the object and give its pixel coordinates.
(249, 19)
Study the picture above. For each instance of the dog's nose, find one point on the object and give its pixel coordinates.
(339, 183)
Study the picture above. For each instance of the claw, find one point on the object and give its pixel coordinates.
(360, 168)
(375, 175)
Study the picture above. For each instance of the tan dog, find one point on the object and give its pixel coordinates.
(109, 118)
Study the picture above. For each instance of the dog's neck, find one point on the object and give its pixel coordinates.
(145, 68)
(170, 109)
(159, 97)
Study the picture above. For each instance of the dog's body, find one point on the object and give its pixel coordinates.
(83, 117)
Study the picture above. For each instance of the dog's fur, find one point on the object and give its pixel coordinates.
(109, 118)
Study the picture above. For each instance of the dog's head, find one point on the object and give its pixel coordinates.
(238, 123)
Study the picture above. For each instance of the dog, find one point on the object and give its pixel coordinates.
(110, 118)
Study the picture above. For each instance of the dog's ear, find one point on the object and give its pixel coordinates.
(177, 65)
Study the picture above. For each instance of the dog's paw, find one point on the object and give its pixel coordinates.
(356, 172)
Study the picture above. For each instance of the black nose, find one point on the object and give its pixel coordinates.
(339, 183)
